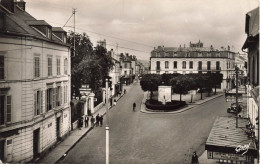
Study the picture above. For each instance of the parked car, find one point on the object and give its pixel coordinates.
(234, 109)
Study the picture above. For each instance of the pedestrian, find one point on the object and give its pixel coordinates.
(124, 91)
(92, 120)
(194, 159)
(97, 120)
(101, 120)
(86, 121)
(114, 102)
(134, 105)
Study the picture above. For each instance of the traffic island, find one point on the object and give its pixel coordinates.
(157, 106)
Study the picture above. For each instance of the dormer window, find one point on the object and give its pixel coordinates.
(59, 34)
(42, 27)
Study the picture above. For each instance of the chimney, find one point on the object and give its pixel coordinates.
(20, 3)
(127, 54)
(8, 4)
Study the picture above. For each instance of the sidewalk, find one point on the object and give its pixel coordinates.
(60, 151)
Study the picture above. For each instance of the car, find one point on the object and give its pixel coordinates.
(234, 109)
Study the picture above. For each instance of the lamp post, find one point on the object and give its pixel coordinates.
(236, 70)
(107, 125)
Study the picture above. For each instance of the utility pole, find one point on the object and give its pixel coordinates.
(107, 126)
(74, 13)
(236, 70)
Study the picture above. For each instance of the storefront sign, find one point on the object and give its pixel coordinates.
(231, 97)
(226, 156)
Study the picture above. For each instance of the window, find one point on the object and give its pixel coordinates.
(158, 65)
(58, 96)
(175, 64)
(184, 64)
(166, 64)
(65, 66)
(36, 66)
(217, 65)
(65, 93)
(5, 109)
(130, 72)
(191, 64)
(200, 65)
(208, 65)
(58, 66)
(49, 66)
(49, 97)
(125, 72)
(38, 102)
(2, 67)
(125, 65)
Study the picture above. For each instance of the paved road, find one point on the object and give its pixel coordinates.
(137, 137)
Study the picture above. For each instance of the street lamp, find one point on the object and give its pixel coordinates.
(107, 125)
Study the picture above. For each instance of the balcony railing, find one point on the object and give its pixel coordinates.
(206, 69)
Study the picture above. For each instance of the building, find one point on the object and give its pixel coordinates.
(194, 59)
(34, 84)
(115, 74)
(127, 69)
(241, 63)
(252, 46)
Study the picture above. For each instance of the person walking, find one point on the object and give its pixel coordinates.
(97, 120)
(101, 120)
(115, 102)
(134, 105)
(86, 121)
(79, 123)
(92, 120)
(194, 159)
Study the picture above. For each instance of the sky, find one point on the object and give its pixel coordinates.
(137, 26)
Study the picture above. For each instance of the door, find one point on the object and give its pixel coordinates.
(2, 150)
(36, 137)
(58, 128)
(2, 110)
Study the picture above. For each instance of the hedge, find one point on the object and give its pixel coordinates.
(169, 106)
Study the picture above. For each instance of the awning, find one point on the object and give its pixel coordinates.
(226, 138)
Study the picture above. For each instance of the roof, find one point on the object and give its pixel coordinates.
(58, 29)
(225, 137)
(37, 23)
(20, 23)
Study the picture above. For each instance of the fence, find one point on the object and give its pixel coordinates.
(98, 106)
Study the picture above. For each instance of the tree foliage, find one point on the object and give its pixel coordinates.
(150, 82)
(88, 65)
(181, 84)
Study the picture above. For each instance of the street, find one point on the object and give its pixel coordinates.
(137, 137)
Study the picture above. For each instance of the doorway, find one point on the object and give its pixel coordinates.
(36, 143)
(2, 150)
(58, 128)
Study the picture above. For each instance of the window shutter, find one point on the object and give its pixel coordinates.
(2, 61)
(41, 100)
(61, 95)
(35, 103)
(54, 98)
(9, 109)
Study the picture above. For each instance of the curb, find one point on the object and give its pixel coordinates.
(62, 157)
(189, 106)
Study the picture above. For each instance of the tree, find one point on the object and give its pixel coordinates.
(201, 82)
(150, 82)
(166, 77)
(181, 84)
(216, 80)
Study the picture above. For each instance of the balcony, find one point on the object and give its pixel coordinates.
(211, 69)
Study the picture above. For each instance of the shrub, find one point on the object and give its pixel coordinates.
(169, 106)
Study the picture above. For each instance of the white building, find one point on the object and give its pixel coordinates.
(252, 46)
(194, 59)
(34, 84)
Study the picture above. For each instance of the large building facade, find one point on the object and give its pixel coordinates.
(194, 59)
(34, 84)
(252, 46)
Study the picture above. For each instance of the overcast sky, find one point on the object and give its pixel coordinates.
(141, 25)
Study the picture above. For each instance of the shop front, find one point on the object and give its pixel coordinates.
(229, 144)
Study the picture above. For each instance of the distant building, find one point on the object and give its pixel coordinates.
(34, 84)
(194, 59)
(127, 69)
(252, 46)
